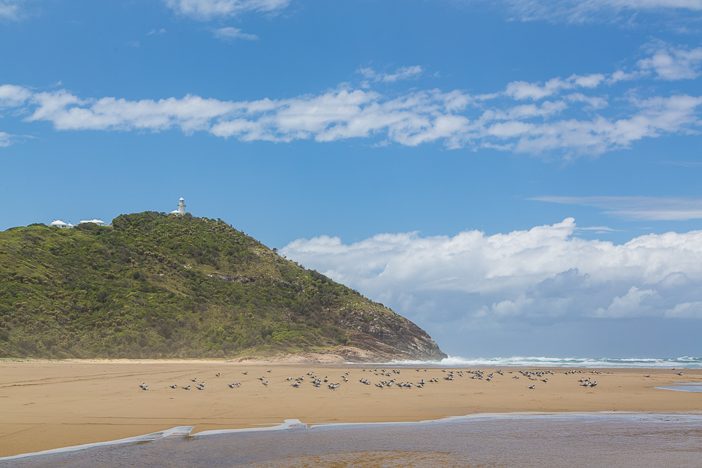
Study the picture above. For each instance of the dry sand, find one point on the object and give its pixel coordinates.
(46, 405)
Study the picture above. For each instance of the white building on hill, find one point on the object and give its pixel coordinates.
(60, 224)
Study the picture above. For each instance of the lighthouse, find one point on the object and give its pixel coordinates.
(181, 207)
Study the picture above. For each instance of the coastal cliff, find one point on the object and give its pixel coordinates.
(153, 285)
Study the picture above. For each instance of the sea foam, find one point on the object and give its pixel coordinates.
(686, 362)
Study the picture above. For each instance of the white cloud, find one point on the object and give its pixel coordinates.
(211, 9)
(156, 32)
(621, 75)
(632, 304)
(525, 90)
(593, 102)
(524, 111)
(340, 114)
(581, 11)
(230, 33)
(68, 112)
(5, 139)
(562, 116)
(534, 274)
(402, 73)
(411, 119)
(670, 63)
(9, 10)
(651, 118)
(13, 96)
(598, 229)
(637, 208)
(686, 310)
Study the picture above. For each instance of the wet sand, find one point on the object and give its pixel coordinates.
(47, 405)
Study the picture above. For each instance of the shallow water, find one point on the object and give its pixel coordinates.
(596, 439)
(694, 387)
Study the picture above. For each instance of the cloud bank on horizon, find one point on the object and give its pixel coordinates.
(545, 273)
(565, 116)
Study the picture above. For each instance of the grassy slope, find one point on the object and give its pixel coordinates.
(163, 286)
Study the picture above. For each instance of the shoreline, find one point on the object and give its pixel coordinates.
(51, 404)
(333, 360)
(186, 432)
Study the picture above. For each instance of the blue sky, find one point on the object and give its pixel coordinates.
(518, 177)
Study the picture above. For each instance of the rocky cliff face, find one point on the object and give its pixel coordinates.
(154, 285)
(389, 335)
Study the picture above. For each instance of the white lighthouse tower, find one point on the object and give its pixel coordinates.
(181, 207)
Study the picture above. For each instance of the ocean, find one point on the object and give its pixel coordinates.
(684, 362)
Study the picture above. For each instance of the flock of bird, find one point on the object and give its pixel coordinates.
(587, 382)
(390, 378)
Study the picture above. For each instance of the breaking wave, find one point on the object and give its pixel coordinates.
(686, 362)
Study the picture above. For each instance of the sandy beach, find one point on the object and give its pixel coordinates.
(51, 404)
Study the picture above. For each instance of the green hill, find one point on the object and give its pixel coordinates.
(156, 285)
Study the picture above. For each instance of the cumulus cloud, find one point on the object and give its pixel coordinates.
(637, 208)
(12, 95)
(211, 9)
(5, 139)
(543, 273)
(232, 33)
